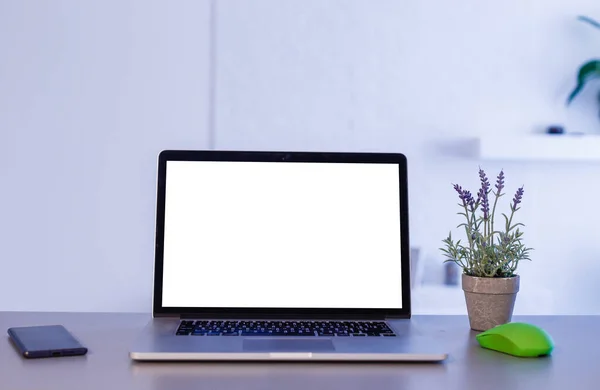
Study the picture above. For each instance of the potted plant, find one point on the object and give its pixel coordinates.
(587, 71)
(489, 254)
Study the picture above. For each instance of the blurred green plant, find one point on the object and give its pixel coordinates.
(590, 70)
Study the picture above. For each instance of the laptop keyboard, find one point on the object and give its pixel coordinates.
(285, 328)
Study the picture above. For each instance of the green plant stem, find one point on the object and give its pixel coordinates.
(485, 228)
(492, 216)
(469, 237)
(512, 212)
(508, 228)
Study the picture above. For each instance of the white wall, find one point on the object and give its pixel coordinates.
(90, 92)
(424, 78)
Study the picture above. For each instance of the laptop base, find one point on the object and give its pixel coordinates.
(158, 342)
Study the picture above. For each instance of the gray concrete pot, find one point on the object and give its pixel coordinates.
(490, 301)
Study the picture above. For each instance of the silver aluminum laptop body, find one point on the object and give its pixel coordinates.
(282, 256)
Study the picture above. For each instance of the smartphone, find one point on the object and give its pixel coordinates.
(45, 341)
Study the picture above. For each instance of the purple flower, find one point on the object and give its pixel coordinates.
(468, 199)
(500, 182)
(458, 189)
(483, 194)
(464, 195)
(484, 180)
(461, 195)
(485, 207)
(518, 197)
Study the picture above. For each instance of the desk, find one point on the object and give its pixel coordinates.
(575, 362)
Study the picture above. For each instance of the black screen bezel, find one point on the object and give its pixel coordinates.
(281, 156)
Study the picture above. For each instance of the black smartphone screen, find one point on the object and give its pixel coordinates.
(45, 341)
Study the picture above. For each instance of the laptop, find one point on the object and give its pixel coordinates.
(282, 256)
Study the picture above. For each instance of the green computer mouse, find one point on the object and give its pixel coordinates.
(517, 339)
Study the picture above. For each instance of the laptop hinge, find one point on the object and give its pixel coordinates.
(245, 316)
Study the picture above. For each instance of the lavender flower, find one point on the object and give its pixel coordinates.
(483, 194)
(458, 189)
(518, 197)
(465, 196)
(469, 199)
(484, 180)
(461, 195)
(485, 207)
(500, 182)
(480, 195)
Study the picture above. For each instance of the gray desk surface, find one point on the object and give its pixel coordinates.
(575, 361)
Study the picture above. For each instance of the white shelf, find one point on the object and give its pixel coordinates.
(541, 147)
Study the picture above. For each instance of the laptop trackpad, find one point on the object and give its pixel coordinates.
(288, 345)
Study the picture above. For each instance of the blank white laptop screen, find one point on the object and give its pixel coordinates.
(281, 235)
